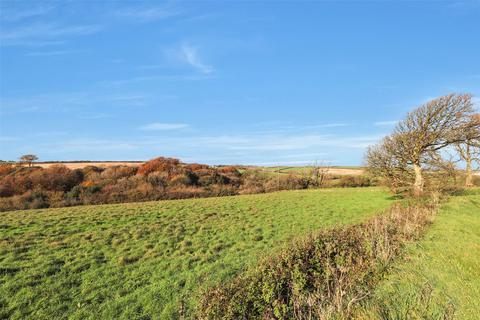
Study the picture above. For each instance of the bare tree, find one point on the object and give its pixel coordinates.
(469, 152)
(318, 173)
(381, 161)
(28, 158)
(440, 123)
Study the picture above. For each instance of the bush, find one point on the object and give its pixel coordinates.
(182, 179)
(168, 165)
(118, 172)
(253, 181)
(6, 169)
(354, 181)
(56, 178)
(476, 181)
(186, 192)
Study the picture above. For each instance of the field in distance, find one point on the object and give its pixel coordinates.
(131, 261)
(82, 164)
(333, 170)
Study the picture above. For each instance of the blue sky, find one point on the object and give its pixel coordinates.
(223, 82)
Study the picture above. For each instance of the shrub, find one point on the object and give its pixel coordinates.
(253, 181)
(186, 192)
(5, 169)
(56, 178)
(118, 172)
(476, 181)
(196, 167)
(169, 165)
(182, 179)
(292, 182)
(354, 181)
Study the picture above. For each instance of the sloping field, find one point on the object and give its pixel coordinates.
(440, 278)
(148, 260)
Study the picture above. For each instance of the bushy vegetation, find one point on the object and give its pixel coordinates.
(160, 178)
(321, 276)
(149, 260)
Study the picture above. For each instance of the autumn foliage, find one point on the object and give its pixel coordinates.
(160, 178)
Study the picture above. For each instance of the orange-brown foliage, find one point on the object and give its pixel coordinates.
(168, 165)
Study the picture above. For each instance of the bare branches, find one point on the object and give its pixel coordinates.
(418, 139)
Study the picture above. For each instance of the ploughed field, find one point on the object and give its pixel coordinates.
(152, 260)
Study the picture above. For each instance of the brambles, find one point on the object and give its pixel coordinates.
(321, 276)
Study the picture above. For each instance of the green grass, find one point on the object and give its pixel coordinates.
(441, 274)
(300, 170)
(139, 261)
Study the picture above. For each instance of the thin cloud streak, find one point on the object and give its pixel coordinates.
(47, 53)
(146, 14)
(230, 143)
(23, 13)
(163, 126)
(190, 55)
(44, 31)
(386, 123)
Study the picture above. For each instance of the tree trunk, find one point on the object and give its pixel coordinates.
(468, 173)
(419, 182)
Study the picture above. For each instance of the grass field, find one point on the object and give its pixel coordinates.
(441, 274)
(141, 260)
(300, 170)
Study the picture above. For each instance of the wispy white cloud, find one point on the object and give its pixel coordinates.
(47, 53)
(327, 125)
(89, 145)
(75, 101)
(146, 14)
(173, 77)
(386, 123)
(44, 33)
(237, 143)
(163, 126)
(246, 149)
(16, 14)
(95, 116)
(190, 55)
(7, 139)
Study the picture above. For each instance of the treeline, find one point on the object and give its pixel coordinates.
(32, 187)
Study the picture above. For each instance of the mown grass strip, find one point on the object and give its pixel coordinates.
(439, 277)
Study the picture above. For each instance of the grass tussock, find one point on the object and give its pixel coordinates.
(322, 276)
